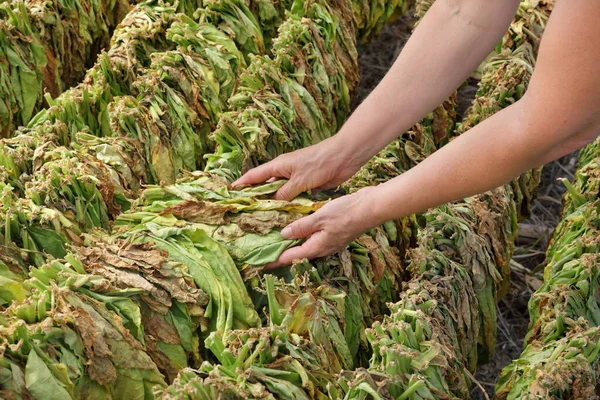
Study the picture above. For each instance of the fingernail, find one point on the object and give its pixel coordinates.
(286, 232)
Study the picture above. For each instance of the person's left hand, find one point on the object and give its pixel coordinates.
(331, 228)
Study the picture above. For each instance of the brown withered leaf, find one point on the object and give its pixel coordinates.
(390, 254)
(127, 279)
(102, 370)
(93, 341)
(346, 260)
(124, 266)
(130, 256)
(156, 327)
(179, 289)
(200, 211)
(161, 360)
(263, 222)
(98, 351)
(375, 256)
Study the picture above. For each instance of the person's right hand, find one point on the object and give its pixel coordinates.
(320, 167)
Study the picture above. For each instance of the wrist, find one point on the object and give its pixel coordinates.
(369, 207)
(352, 147)
(390, 200)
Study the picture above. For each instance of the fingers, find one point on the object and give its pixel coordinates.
(289, 191)
(261, 174)
(312, 248)
(302, 228)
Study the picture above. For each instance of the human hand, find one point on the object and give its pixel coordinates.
(322, 166)
(331, 228)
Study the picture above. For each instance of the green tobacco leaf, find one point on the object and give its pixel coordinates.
(40, 382)
(48, 241)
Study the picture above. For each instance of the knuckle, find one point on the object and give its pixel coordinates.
(300, 229)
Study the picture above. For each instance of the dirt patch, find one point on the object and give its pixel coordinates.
(376, 57)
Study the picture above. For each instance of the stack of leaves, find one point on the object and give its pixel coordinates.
(288, 101)
(247, 225)
(560, 359)
(371, 16)
(368, 274)
(297, 355)
(45, 47)
(217, 233)
(110, 321)
(421, 346)
(85, 183)
(445, 320)
(180, 97)
(62, 192)
(266, 363)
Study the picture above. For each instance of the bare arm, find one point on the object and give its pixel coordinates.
(559, 113)
(449, 43)
(454, 37)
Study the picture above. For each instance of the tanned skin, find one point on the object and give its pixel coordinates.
(559, 114)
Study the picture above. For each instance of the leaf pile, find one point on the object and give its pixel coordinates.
(45, 46)
(560, 359)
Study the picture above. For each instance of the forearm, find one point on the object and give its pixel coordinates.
(449, 43)
(559, 113)
(487, 156)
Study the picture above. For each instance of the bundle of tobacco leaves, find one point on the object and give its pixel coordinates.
(179, 99)
(501, 85)
(565, 311)
(247, 224)
(297, 355)
(45, 47)
(285, 102)
(111, 320)
(266, 363)
(566, 368)
(371, 16)
(220, 232)
(88, 180)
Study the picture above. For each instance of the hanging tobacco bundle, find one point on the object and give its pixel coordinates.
(297, 355)
(285, 102)
(89, 182)
(45, 47)
(109, 322)
(560, 359)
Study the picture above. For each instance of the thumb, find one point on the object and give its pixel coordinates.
(312, 248)
(300, 229)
